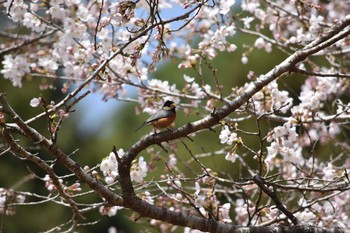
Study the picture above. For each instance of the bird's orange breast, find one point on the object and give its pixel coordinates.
(164, 122)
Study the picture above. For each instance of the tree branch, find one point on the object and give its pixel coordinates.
(257, 179)
(61, 157)
(146, 210)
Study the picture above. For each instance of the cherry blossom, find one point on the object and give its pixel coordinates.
(14, 68)
(109, 166)
(230, 156)
(226, 136)
(139, 170)
(35, 102)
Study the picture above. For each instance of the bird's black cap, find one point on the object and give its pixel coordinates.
(168, 103)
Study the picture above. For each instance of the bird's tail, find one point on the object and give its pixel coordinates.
(143, 124)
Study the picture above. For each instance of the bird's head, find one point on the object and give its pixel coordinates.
(169, 105)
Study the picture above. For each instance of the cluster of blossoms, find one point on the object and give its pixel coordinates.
(216, 40)
(7, 198)
(14, 68)
(271, 99)
(109, 167)
(260, 43)
(228, 137)
(78, 46)
(213, 38)
(205, 201)
(75, 49)
(109, 210)
(316, 16)
(326, 214)
(199, 92)
(50, 186)
(202, 199)
(245, 207)
(139, 170)
(165, 87)
(283, 141)
(314, 93)
(17, 9)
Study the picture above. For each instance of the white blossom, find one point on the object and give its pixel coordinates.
(18, 9)
(226, 136)
(35, 102)
(109, 166)
(32, 22)
(139, 171)
(14, 68)
(188, 79)
(224, 212)
(230, 156)
(247, 21)
(110, 210)
(225, 6)
(20, 198)
(244, 59)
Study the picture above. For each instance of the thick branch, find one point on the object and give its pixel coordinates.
(130, 200)
(210, 225)
(46, 144)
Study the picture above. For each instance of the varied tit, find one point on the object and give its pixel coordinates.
(164, 117)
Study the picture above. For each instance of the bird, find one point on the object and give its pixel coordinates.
(164, 117)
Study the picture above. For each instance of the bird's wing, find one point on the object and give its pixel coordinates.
(158, 115)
